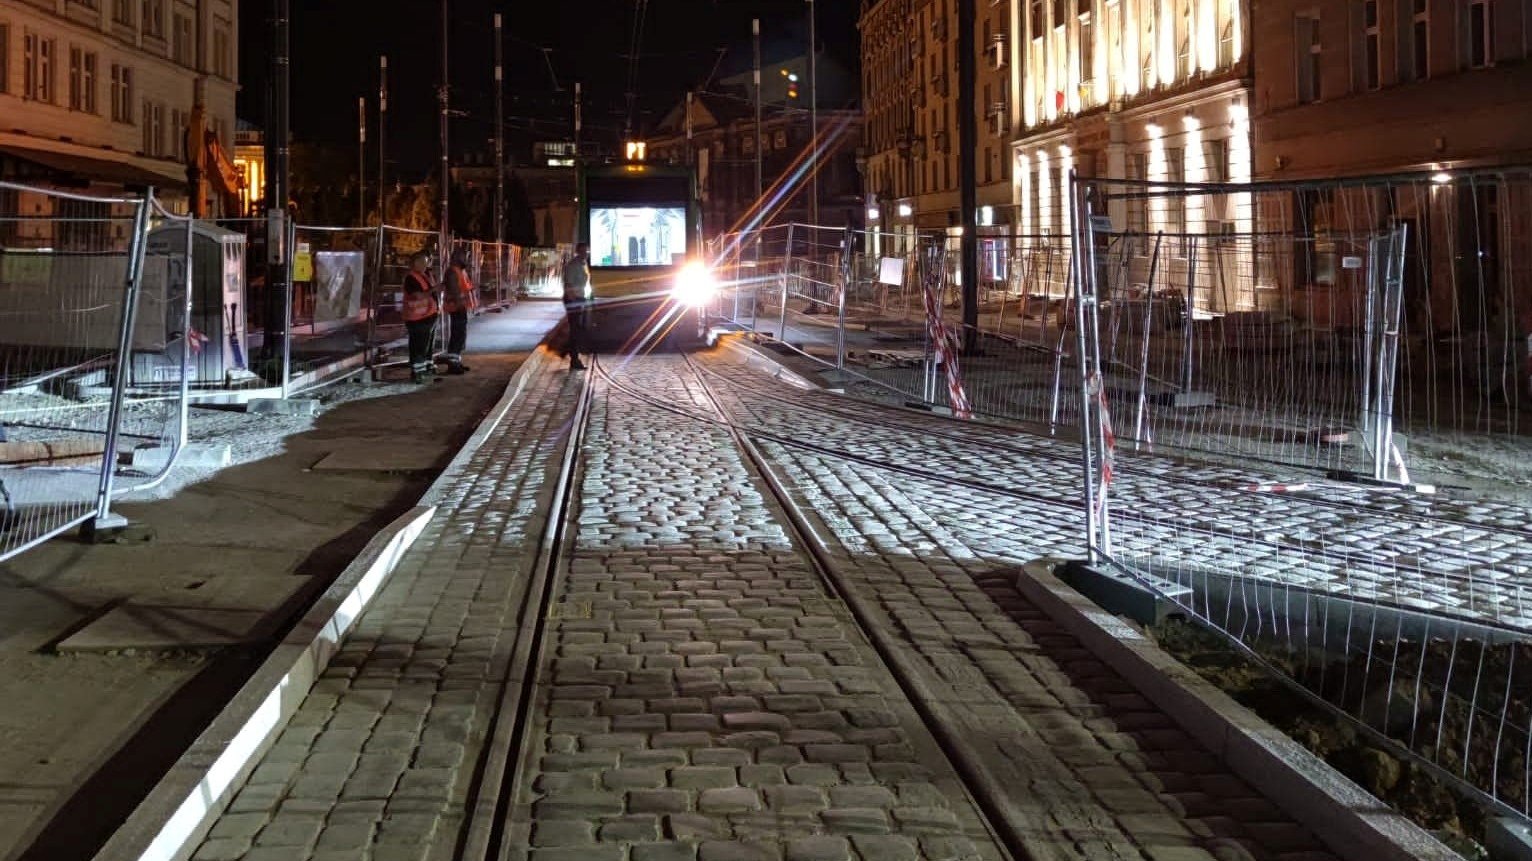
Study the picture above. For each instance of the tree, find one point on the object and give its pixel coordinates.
(324, 184)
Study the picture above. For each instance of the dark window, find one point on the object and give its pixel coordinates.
(1308, 59)
(1478, 34)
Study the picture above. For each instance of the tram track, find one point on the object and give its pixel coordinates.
(498, 824)
(1000, 440)
(502, 764)
(1277, 549)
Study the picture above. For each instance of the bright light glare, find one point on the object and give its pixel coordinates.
(1441, 178)
(694, 285)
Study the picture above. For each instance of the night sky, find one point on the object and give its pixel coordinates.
(336, 43)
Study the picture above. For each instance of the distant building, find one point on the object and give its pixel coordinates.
(548, 183)
(723, 148)
(97, 94)
(910, 89)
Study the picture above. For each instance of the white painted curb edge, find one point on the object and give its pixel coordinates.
(1345, 817)
(173, 818)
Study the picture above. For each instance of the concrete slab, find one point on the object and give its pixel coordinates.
(280, 407)
(383, 457)
(139, 627)
(1509, 840)
(152, 459)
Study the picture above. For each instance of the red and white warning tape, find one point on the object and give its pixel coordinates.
(941, 339)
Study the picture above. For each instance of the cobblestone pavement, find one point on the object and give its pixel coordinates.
(1470, 557)
(704, 696)
(1102, 766)
(377, 762)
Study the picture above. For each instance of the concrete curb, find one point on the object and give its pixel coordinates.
(757, 358)
(1347, 819)
(180, 809)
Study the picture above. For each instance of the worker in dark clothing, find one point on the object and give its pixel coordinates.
(577, 303)
(420, 313)
(458, 299)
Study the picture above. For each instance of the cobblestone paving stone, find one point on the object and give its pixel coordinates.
(1470, 557)
(703, 696)
(1106, 774)
(377, 761)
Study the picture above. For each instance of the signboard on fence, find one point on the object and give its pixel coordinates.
(891, 271)
(337, 287)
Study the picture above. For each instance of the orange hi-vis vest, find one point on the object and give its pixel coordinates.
(460, 295)
(419, 298)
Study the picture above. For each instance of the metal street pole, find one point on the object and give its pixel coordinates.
(499, 134)
(755, 33)
(442, 243)
(278, 285)
(968, 173)
(361, 161)
(813, 116)
(690, 155)
(382, 140)
(578, 121)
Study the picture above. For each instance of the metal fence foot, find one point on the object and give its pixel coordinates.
(104, 530)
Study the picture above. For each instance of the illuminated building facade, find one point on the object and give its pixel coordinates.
(96, 94)
(909, 92)
(1137, 89)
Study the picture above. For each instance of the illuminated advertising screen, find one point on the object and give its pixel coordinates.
(637, 235)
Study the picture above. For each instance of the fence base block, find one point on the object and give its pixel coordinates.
(1122, 597)
(105, 530)
(280, 407)
(1509, 840)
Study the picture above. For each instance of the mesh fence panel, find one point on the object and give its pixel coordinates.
(66, 264)
(1282, 344)
(334, 295)
(166, 348)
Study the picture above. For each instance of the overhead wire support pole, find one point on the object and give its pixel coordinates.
(382, 140)
(755, 34)
(361, 161)
(444, 98)
(813, 115)
(499, 132)
(278, 270)
(968, 173)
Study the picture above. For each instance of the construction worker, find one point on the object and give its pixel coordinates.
(576, 303)
(458, 299)
(420, 313)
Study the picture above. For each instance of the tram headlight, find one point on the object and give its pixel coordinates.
(694, 285)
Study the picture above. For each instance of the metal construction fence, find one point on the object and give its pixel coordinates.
(1325, 344)
(96, 354)
(1300, 408)
(117, 314)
